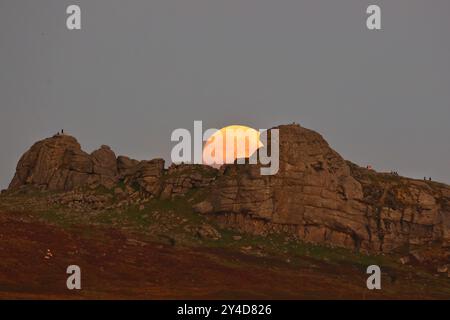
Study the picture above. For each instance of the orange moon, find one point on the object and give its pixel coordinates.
(231, 143)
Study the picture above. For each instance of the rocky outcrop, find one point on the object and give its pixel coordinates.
(104, 162)
(184, 177)
(147, 176)
(81, 201)
(126, 165)
(58, 163)
(319, 197)
(316, 196)
(404, 212)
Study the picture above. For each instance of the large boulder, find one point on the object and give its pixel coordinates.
(59, 164)
(125, 165)
(147, 176)
(319, 197)
(104, 162)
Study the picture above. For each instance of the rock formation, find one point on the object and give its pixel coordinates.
(184, 177)
(58, 163)
(316, 196)
(319, 197)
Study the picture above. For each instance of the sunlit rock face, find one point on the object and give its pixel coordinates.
(319, 197)
(58, 163)
(316, 196)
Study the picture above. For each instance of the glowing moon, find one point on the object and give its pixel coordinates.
(231, 143)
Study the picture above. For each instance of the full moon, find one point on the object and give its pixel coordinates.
(231, 143)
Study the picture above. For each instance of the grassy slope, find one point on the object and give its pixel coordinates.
(170, 223)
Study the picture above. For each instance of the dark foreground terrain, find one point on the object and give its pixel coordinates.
(152, 253)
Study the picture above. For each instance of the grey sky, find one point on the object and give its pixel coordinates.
(140, 68)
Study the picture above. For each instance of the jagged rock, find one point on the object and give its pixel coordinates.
(312, 195)
(316, 196)
(126, 165)
(148, 176)
(179, 179)
(58, 163)
(104, 162)
(319, 197)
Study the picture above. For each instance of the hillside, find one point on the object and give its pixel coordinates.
(128, 220)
